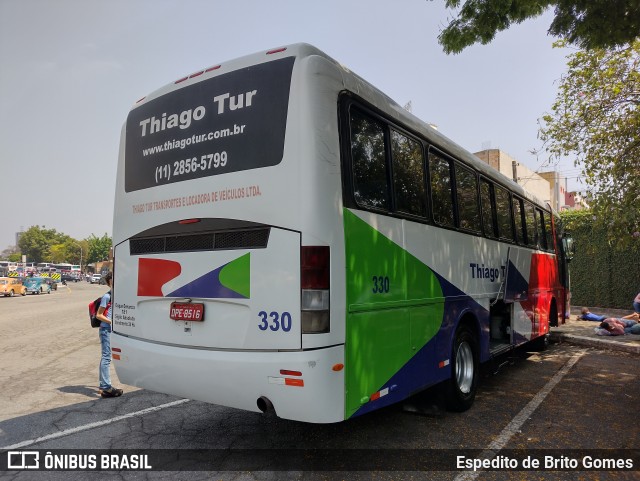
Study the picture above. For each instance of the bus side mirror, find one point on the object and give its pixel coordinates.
(569, 246)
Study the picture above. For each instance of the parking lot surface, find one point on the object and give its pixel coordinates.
(557, 403)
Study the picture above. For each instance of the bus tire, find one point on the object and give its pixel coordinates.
(541, 343)
(462, 387)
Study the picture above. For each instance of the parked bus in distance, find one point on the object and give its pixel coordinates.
(288, 238)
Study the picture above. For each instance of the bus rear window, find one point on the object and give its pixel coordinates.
(228, 123)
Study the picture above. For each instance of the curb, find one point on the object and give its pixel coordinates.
(590, 342)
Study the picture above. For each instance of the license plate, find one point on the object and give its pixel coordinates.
(183, 311)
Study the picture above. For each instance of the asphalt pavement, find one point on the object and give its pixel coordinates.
(582, 333)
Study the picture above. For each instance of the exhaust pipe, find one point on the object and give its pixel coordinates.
(265, 405)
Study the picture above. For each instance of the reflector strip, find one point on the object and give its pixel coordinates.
(197, 74)
(181, 80)
(116, 349)
(379, 394)
(293, 382)
(277, 50)
(284, 372)
(212, 68)
(288, 381)
(116, 356)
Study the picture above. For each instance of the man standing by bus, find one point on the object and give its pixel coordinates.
(104, 314)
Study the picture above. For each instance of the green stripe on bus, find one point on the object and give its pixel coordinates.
(236, 275)
(394, 307)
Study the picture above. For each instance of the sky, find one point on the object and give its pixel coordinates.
(70, 70)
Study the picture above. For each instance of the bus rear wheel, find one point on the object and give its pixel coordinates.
(462, 387)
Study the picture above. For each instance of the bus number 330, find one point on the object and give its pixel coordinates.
(274, 321)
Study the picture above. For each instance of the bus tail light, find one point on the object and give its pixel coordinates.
(314, 265)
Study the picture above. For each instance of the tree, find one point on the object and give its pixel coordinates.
(11, 250)
(67, 251)
(36, 243)
(588, 24)
(99, 248)
(596, 119)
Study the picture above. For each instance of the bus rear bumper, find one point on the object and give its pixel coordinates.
(301, 385)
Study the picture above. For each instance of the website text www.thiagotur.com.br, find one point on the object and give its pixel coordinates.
(194, 139)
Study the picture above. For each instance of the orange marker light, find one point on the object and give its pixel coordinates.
(337, 367)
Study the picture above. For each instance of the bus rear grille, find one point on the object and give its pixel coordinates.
(245, 239)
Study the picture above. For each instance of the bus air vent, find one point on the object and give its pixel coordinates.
(227, 240)
(242, 239)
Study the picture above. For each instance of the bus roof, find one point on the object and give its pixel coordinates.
(359, 86)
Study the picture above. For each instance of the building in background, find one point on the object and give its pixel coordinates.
(557, 189)
(549, 187)
(575, 201)
(18, 235)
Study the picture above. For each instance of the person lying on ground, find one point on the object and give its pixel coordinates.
(590, 316)
(613, 326)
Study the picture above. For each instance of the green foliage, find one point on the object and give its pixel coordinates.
(596, 120)
(8, 252)
(67, 251)
(36, 243)
(587, 24)
(99, 248)
(603, 274)
(47, 245)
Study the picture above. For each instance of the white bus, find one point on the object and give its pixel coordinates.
(288, 238)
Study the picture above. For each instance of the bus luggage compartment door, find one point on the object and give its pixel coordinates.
(220, 299)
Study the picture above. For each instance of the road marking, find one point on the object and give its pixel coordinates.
(516, 423)
(98, 424)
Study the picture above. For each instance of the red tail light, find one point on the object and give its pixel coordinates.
(314, 262)
(314, 282)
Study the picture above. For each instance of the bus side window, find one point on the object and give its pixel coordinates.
(503, 209)
(370, 179)
(408, 175)
(532, 232)
(542, 236)
(518, 216)
(441, 190)
(467, 199)
(548, 231)
(489, 218)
